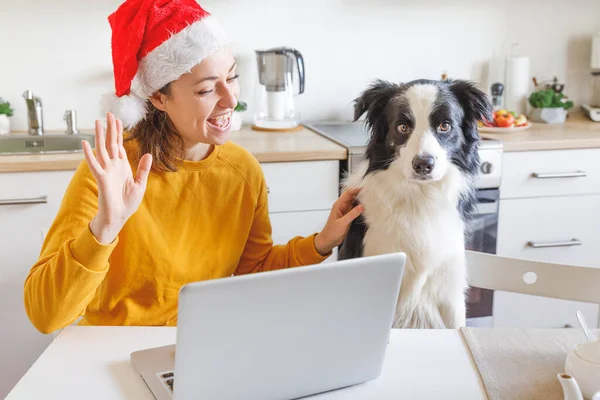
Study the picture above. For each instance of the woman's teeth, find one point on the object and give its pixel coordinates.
(220, 121)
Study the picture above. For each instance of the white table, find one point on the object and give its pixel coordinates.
(93, 363)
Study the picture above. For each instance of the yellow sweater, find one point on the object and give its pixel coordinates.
(208, 220)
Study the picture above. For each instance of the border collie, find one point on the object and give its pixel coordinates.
(416, 181)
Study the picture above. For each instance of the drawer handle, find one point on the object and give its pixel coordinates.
(576, 174)
(564, 243)
(32, 200)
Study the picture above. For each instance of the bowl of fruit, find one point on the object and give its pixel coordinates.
(504, 121)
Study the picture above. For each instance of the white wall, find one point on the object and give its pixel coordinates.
(61, 49)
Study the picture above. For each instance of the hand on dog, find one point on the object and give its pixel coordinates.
(342, 214)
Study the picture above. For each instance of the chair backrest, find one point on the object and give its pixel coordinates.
(559, 281)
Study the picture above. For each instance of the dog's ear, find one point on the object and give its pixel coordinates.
(474, 102)
(374, 101)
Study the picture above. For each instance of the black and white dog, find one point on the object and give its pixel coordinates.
(416, 183)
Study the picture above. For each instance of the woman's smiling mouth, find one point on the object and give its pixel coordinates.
(222, 121)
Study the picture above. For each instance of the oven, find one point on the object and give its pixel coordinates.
(483, 227)
(482, 238)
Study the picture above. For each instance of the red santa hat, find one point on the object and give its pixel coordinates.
(154, 42)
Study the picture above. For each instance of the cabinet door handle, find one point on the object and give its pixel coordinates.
(559, 243)
(31, 200)
(555, 175)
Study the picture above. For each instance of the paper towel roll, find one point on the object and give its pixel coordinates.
(516, 84)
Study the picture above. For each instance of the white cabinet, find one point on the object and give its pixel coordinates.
(302, 186)
(541, 174)
(28, 205)
(549, 211)
(563, 230)
(300, 197)
(288, 225)
(569, 227)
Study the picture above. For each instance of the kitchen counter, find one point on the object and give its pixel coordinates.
(579, 132)
(301, 145)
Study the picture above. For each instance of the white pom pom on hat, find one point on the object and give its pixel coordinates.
(130, 109)
(154, 42)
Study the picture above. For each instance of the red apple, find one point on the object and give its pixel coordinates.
(504, 120)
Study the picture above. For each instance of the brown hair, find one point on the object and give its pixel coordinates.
(155, 134)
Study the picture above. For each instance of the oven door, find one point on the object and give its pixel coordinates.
(483, 238)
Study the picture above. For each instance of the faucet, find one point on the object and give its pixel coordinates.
(71, 118)
(35, 119)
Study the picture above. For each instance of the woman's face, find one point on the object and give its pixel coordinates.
(201, 103)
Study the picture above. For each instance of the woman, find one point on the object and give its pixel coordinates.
(193, 207)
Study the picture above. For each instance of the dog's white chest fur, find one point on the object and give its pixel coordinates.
(421, 220)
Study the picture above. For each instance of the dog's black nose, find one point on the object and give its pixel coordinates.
(423, 165)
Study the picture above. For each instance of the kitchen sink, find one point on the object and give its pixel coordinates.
(46, 143)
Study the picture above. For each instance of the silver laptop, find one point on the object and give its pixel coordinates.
(278, 335)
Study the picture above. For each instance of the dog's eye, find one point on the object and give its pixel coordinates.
(444, 127)
(403, 128)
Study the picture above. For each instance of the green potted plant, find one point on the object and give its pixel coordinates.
(5, 112)
(236, 119)
(549, 106)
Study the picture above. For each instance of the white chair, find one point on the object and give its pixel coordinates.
(559, 281)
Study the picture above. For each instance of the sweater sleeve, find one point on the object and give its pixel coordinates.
(261, 255)
(72, 263)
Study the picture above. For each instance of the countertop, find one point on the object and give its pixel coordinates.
(419, 363)
(301, 145)
(579, 132)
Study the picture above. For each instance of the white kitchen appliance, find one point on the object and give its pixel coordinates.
(276, 110)
(592, 110)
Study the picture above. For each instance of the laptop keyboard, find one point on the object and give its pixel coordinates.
(168, 379)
